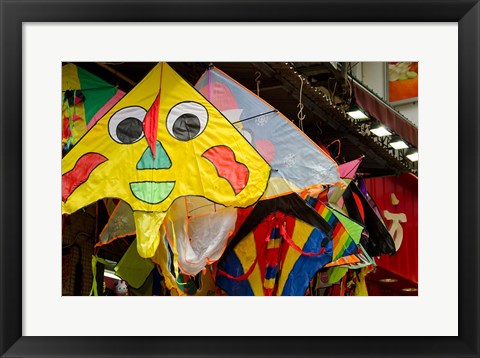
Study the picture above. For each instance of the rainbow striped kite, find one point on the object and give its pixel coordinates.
(346, 233)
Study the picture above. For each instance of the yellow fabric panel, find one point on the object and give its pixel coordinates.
(339, 244)
(300, 236)
(274, 244)
(133, 268)
(147, 225)
(246, 252)
(189, 171)
(207, 284)
(70, 79)
(361, 288)
(94, 289)
(269, 283)
(279, 186)
(95, 260)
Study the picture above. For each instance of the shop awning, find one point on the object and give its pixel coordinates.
(387, 115)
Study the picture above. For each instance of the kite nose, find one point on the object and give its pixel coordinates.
(160, 161)
(150, 125)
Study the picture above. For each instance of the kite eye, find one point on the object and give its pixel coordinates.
(187, 120)
(126, 125)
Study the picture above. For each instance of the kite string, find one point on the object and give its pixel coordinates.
(90, 89)
(300, 114)
(292, 244)
(256, 116)
(187, 217)
(339, 146)
(243, 277)
(209, 85)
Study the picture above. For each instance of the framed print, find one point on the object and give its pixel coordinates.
(36, 320)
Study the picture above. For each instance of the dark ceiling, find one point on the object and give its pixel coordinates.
(324, 100)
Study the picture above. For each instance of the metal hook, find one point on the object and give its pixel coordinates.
(258, 74)
(300, 114)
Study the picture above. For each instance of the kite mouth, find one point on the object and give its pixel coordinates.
(224, 161)
(152, 192)
(80, 173)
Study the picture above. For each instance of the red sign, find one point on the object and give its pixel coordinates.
(397, 200)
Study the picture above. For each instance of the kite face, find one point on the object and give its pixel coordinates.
(162, 141)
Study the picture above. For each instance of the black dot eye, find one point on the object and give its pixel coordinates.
(126, 125)
(186, 127)
(187, 120)
(129, 130)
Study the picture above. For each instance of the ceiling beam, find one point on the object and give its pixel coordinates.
(344, 128)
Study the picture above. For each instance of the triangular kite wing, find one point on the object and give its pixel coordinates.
(379, 240)
(348, 170)
(297, 162)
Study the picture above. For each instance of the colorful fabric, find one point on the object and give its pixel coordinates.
(177, 283)
(349, 170)
(346, 237)
(346, 233)
(359, 260)
(162, 141)
(275, 252)
(361, 288)
(163, 257)
(350, 201)
(200, 229)
(84, 97)
(106, 107)
(297, 162)
(379, 241)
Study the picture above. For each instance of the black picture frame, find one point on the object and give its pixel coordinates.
(14, 13)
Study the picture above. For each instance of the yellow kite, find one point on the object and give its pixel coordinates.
(162, 141)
